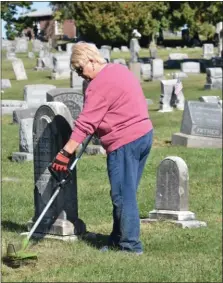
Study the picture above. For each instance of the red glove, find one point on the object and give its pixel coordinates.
(61, 161)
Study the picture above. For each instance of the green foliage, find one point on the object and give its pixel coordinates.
(113, 22)
(201, 16)
(14, 26)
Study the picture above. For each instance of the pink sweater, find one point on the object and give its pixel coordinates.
(115, 106)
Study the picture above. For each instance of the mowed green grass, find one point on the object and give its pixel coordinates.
(171, 254)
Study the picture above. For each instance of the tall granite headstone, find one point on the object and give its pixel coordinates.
(51, 130)
(172, 194)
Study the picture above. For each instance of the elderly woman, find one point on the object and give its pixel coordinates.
(115, 108)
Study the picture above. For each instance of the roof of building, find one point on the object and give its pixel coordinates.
(40, 13)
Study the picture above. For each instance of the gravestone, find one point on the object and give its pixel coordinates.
(25, 141)
(201, 126)
(105, 53)
(146, 72)
(213, 78)
(116, 49)
(136, 69)
(19, 70)
(69, 47)
(5, 83)
(120, 61)
(35, 95)
(157, 69)
(21, 45)
(8, 106)
(19, 114)
(36, 45)
(31, 55)
(208, 50)
(178, 56)
(190, 67)
(124, 49)
(76, 82)
(134, 50)
(153, 52)
(52, 128)
(172, 195)
(107, 47)
(61, 67)
(167, 94)
(179, 75)
(209, 99)
(73, 99)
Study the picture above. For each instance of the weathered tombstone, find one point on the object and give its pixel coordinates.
(178, 56)
(69, 47)
(31, 55)
(105, 53)
(157, 69)
(73, 99)
(8, 106)
(172, 195)
(52, 128)
(153, 52)
(116, 49)
(209, 99)
(208, 50)
(201, 126)
(179, 75)
(167, 89)
(107, 47)
(134, 50)
(61, 66)
(36, 45)
(124, 49)
(76, 82)
(19, 70)
(35, 95)
(21, 45)
(5, 83)
(120, 61)
(190, 67)
(213, 78)
(19, 114)
(25, 141)
(146, 72)
(136, 69)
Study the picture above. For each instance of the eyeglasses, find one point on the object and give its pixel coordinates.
(78, 70)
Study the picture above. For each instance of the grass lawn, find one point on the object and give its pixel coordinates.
(171, 254)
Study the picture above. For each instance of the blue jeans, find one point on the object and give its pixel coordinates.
(125, 166)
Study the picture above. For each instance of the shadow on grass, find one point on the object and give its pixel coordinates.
(95, 240)
(13, 227)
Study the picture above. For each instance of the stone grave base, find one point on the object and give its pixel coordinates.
(212, 86)
(165, 110)
(41, 69)
(158, 78)
(195, 141)
(181, 223)
(171, 214)
(52, 237)
(22, 156)
(59, 228)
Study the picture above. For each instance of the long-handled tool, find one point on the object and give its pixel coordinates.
(15, 258)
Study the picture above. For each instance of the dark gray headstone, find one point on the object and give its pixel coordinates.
(202, 119)
(51, 130)
(70, 97)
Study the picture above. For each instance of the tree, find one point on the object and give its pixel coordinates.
(14, 26)
(200, 16)
(113, 22)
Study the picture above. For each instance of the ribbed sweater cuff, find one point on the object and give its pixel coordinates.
(78, 135)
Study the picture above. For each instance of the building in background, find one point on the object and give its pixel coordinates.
(45, 27)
